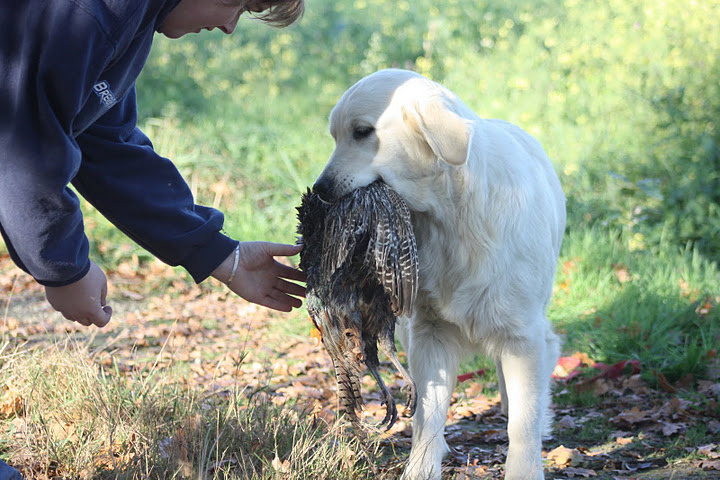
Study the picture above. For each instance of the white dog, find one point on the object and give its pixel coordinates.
(489, 215)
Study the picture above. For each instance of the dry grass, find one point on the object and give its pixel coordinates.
(66, 415)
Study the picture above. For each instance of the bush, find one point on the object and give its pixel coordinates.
(623, 94)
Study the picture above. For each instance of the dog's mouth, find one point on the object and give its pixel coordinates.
(320, 197)
(324, 191)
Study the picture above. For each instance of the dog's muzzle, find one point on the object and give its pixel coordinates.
(323, 188)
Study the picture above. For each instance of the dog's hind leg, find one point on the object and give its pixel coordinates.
(552, 353)
(434, 357)
(527, 364)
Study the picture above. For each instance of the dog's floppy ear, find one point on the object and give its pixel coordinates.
(446, 133)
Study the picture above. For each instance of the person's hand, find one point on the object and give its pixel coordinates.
(261, 279)
(83, 301)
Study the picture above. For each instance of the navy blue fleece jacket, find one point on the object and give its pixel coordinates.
(68, 115)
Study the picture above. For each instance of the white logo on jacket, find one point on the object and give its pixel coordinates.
(102, 90)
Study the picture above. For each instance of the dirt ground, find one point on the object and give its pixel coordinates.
(609, 423)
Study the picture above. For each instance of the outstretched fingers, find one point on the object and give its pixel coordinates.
(290, 288)
(261, 276)
(291, 273)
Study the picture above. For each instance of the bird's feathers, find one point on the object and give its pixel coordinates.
(361, 262)
(372, 224)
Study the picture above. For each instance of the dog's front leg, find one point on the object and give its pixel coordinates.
(526, 367)
(433, 355)
(501, 386)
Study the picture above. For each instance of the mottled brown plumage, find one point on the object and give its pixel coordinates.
(360, 258)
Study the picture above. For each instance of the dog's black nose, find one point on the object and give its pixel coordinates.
(322, 188)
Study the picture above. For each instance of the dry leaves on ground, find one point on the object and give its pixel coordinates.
(229, 344)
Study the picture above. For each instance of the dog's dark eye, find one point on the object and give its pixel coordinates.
(362, 132)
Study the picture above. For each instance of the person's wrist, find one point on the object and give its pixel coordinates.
(236, 261)
(224, 271)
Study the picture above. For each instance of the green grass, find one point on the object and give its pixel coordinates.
(564, 397)
(616, 303)
(696, 435)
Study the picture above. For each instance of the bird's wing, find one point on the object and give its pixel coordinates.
(373, 223)
(392, 250)
(345, 224)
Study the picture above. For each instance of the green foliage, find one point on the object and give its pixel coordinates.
(618, 304)
(623, 94)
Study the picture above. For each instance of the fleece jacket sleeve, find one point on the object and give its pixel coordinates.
(47, 61)
(52, 55)
(144, 195)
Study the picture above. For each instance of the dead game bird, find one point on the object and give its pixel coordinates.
(360, 258)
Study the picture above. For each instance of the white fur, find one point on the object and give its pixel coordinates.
(489, 215)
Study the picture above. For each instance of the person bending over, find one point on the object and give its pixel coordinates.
(68, 116)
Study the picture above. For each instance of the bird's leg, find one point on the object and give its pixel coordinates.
(388, 400)
(349, 394)
(387, 345)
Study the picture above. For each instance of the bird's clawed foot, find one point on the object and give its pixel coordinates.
(391, 413)
(411, 392)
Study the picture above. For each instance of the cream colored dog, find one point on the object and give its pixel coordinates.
(489, 215)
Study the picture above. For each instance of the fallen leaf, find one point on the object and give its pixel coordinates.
(584, 358)
(601, 386)
(684, 287)
(474, 389)
(708, 388)
(664, 383)
(566, 422)
(709, 464)
(468, 376)
(315, 333)
(636, 384)
(616, 370)
(705, 307)
(572, 472)
(128, 270)
(634, 416)
(280, 466)
(671, 428)
(566, 367)
(570, 265)
(11, 402)
(569, 363)
(709, 451)
(9, 323)
(564, 457)
(115, 455)
(470, 472)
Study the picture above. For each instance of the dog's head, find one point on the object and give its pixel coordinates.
(398, 127)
